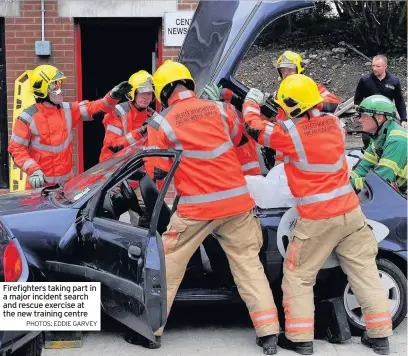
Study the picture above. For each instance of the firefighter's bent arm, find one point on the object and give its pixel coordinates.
(85, 109)
(369, 160)
(18, 147)
(393, 162)
(272, 135)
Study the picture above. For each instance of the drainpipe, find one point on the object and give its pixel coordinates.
(42, 20)
(43, 47)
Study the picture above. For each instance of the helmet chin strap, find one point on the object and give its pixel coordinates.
(137, 107)
(46, 99)
(379, 127)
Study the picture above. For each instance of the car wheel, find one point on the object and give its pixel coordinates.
(33, 348)
(396, 285)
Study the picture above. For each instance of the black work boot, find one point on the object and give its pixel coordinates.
(303, 348)
(268, 344)
(134, 338)
(380, 345)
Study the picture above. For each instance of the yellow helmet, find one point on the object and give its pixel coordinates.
(142, 82)
(289, 59)
(168, 73)
(297, 94)
(41, 78)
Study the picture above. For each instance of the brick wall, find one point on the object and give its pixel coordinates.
(21, 34)
(23, 31)
(172, 53)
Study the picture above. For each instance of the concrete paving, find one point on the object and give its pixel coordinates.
(211, 331)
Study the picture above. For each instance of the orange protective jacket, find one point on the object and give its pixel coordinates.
(246, 153)
(154, 163)
(209, 178)
(122, 128)
(329, 105)
(314, 158)
(42, 137)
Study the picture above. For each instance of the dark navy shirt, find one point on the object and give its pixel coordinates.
(390, 87)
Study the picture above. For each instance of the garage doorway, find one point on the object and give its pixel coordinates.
(111, 51)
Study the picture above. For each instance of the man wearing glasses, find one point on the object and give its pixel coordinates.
(41, 143)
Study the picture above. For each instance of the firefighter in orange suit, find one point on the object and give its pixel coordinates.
(126, 124)
(214, 196)
(330, 219)
(246, 153)
(41, 143)
(290, 63)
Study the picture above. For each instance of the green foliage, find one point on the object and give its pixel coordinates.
(373, 26)
(379, 26)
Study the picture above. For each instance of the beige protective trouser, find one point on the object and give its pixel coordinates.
(240, 236)
(356, 247)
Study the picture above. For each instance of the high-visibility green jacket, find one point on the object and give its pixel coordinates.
(387, 155)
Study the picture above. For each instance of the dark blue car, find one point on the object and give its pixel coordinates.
(80, 231)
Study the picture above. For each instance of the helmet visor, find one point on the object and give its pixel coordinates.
(55, 87)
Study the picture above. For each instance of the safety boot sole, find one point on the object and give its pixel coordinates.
(286, 344)
(380, 350)
(272, 350)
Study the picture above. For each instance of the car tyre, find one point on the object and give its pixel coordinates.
(396, 282)
(33, 348)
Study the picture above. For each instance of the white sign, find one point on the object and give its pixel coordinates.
(50, 306)
(176, 25)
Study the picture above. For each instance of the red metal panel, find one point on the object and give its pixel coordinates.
(80, 129)
(160, 58)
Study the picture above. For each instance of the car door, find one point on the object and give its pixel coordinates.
(127, 260)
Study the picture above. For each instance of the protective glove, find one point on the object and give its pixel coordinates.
(256, 96)
(159, 174)
(212, 92)
(254, 133)
(143, 129)
(121, 90)
(116, 149)
(268, 155)
(37, 179)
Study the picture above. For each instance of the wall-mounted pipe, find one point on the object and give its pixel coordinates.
(43, 47)
(42, 20)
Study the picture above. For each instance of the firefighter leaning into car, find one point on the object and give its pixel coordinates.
(41, 143)
(126, 125)
(214, 196)
(387, 152)
(246, 153)
(290, 63)
(312, 143)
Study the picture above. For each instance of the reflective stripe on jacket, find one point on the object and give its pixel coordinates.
(387, 155)
(314, 158)
(153, 142)
(248, 157)
(42, 136)
(122, 128)
(329, 105)
(246, 153)
(209, 178)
